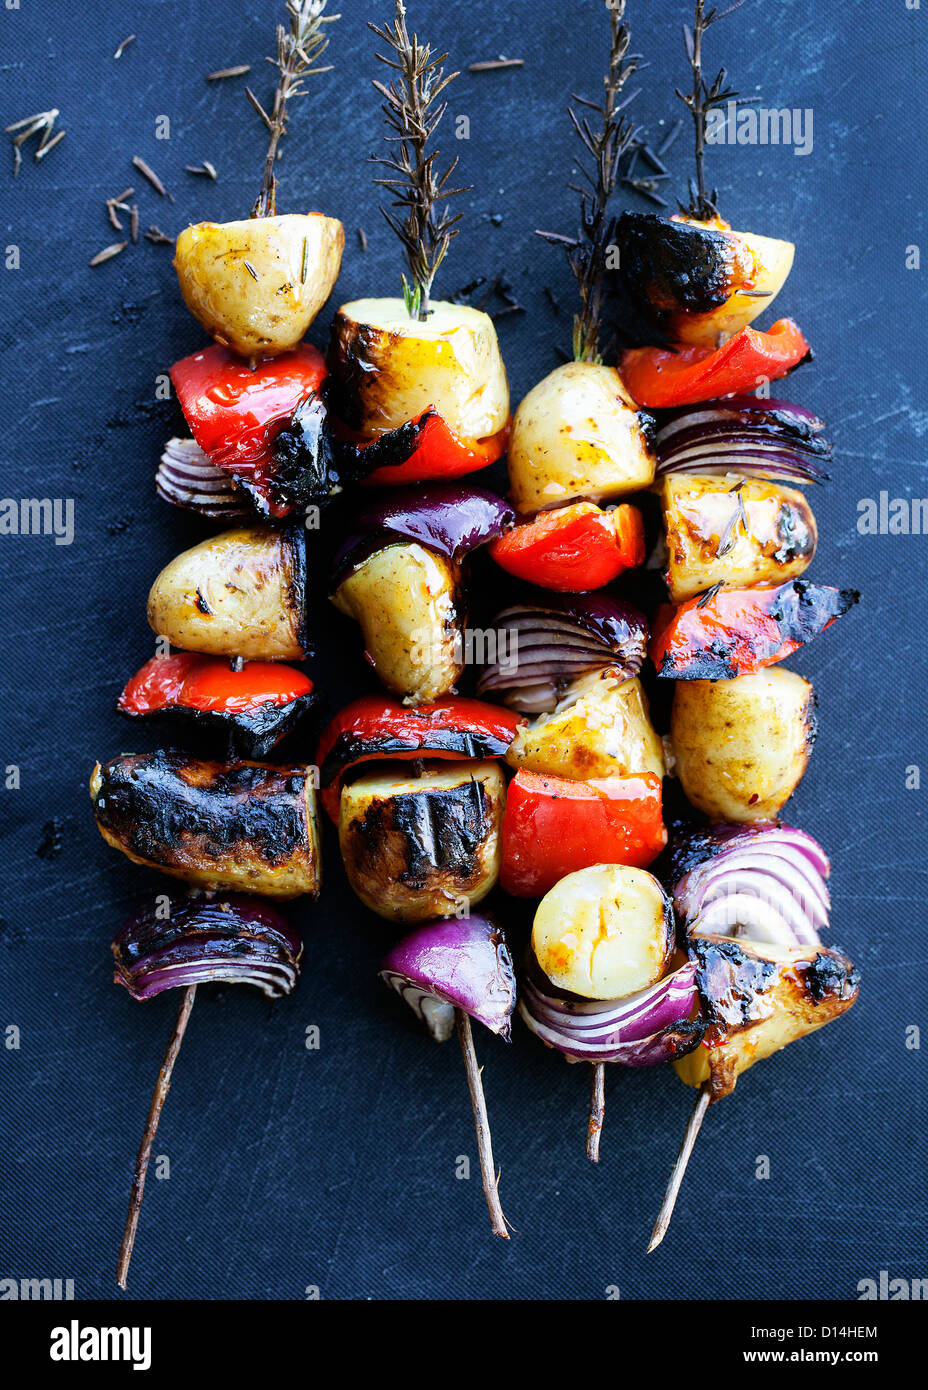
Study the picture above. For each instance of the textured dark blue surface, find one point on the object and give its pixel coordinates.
(336, 1168)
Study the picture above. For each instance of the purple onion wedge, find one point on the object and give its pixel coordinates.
(450, 519)
(761, 883)
(186, 478)
(746, 435)
(230, 940)
(557, 639)
(454, 964)
(644, 1029)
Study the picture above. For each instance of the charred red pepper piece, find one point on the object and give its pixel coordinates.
(377, 727)
(734, 632)
(256, 706)
(266, 426)
(423, 449)
(573, 549)
(662, 377)
(552, 827)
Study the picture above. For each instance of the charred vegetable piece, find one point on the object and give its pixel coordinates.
(579, 434)
(389, 369)
(642, 1029)
(264, 426)
(408, 602)
(424, 449)
(742, 746)
(573, 549)
(221, 826)
(377, 727)
(747, 435)
(756, 999)
(242, 593)
(422, 847)
(766, 883)
(257, 285)
(734, 632)
(549, 644)
(740, 532)
(553, 827)
(699, 282)
(255, 706)
(603, 730)
(662, 379)
(604, 932)
(448, 965)
(177, 942)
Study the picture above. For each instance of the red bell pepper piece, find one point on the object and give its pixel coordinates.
(573, 549)
(187, 680)
(426, 448)
(552, 827)
(377, 727)
(734, 632)
(235, 413)
(662, 378)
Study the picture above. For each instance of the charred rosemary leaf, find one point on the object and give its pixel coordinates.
(606, 146)
(148, 172)
(702, 98)
(158, 237)
(299, 47)
(412, 113)
(496, 64)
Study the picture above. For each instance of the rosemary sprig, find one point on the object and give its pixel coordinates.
(298, 49)
(42, 124)
(606, 146)
(409, 107)
(702, 98)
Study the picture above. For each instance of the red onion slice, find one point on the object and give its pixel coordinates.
(186, 478)
(454, 964)
(641, 1030)
(753, 437)
(233, 940)
(763, 883)
(557, 641)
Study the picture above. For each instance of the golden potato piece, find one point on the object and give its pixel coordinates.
(242, 826)
(257, 285)
(741, 746)
(578, 433)
(757, 1000)
(422, 847)
(390, 367)
(604, 731)
(604, 932)
(722, 529)
(406, 600)
(242, 593)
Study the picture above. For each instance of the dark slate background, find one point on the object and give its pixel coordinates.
(335, 1168)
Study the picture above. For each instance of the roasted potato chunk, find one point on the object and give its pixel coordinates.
(578, 433)
(390, 368)
(407, 600)
(257, 285)
(242, 826)
(726, 530)
(605, 730)
(701, 281)
(741, 746)
(758, 999)
(242, 593)
(604, 932)
(422, 847)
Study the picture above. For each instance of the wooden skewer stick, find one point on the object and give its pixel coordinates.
(481, 1124)
(679, 1168)
(159, 1096)
(597, 1110)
